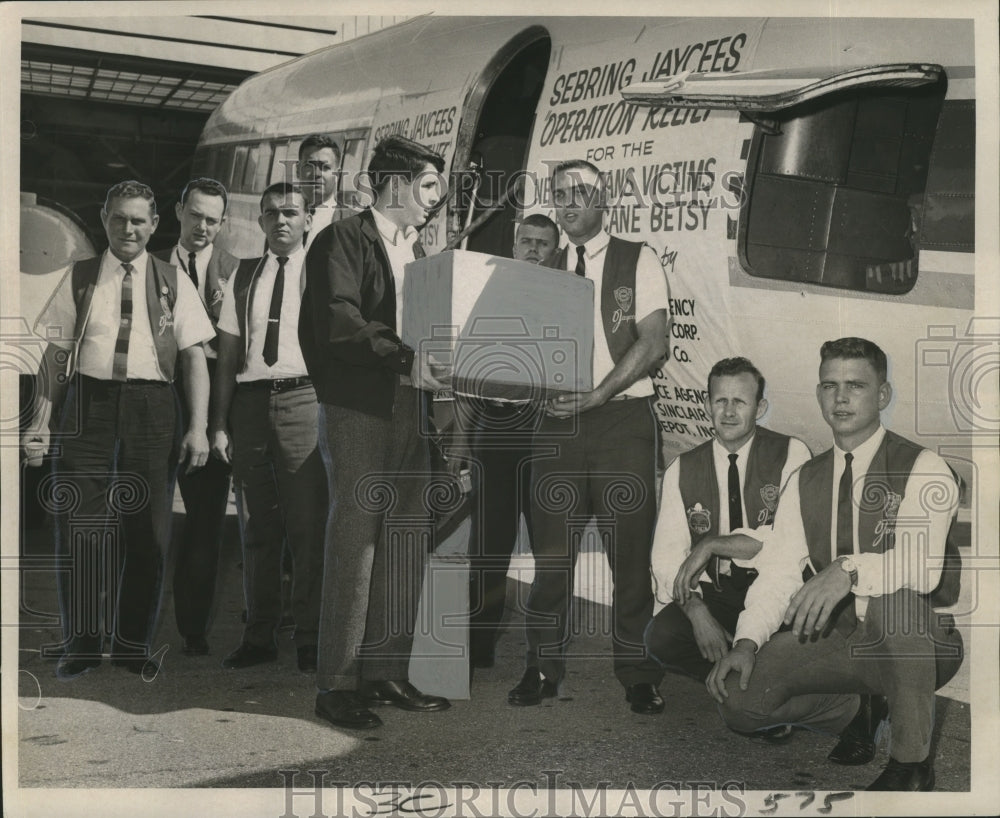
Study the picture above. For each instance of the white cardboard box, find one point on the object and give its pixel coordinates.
(510, 329)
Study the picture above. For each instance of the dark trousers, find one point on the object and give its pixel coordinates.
(605, 471)
(379, 533)
(110, 494)
(901, 651)
(669, 636)
(278, 468)
(502, 452)
(196, 565)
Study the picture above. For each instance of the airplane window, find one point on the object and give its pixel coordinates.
(835, 188)
(279, 153)
(250, 170)
(258, 167)
(224, 165)
(239, 163)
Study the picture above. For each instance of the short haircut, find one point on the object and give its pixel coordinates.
(130, 189)
(571, 165)
(539, 220)
(283, 189)
(736, 366)
(398, 156)
(207, 186)
(853, 348)
(577, 164)
(318, 141)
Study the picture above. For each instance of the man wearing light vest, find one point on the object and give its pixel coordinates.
(713, 500)
(117, 325)
(867, 522)
(606, 443)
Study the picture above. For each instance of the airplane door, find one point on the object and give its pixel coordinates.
(507, 95)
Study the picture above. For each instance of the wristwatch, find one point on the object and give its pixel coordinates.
(850, 568)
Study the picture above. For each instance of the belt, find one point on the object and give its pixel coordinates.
(277, 384)
(107, 383)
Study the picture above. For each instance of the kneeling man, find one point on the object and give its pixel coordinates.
(714, 497)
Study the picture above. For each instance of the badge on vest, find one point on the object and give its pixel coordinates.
(769, 494)
(623, 295)
(699, 519)
(167, 315)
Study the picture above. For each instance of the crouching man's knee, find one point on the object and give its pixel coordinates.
(742, 712)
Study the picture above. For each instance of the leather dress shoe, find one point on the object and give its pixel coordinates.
(644, 698)
(139, 665)
(532, 689)
(194, 645)
(908, 776)
(73, 667)
(403, 695)
(306, 658)
(858, 741)
(345, 708)
(247, 655)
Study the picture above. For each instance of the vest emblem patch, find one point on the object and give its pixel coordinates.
(623, 295)
(699, 519)
(769, 494)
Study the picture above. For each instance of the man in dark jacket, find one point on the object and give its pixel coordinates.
(369, 386)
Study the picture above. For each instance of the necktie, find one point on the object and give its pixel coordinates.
(119, 366)
(581, 263)
(274, 315)
(843, 615)
(735, 504)
(845, 515)
(193, 269)
(735, 516)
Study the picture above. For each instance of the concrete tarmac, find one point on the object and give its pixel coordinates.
(197, 725)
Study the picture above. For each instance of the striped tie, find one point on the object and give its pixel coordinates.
(119, 369)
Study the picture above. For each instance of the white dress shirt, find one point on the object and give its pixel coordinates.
(399, 248)
(290, 363)
(914, 562)
(57, 322)
(180, 258)
(650, 294)
(672, 537)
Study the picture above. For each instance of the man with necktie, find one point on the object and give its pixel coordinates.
(713, 500)
(263, 422)
(371, 388)
(606, 442)
(201, 213)
(117, 325)
(866, 524)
